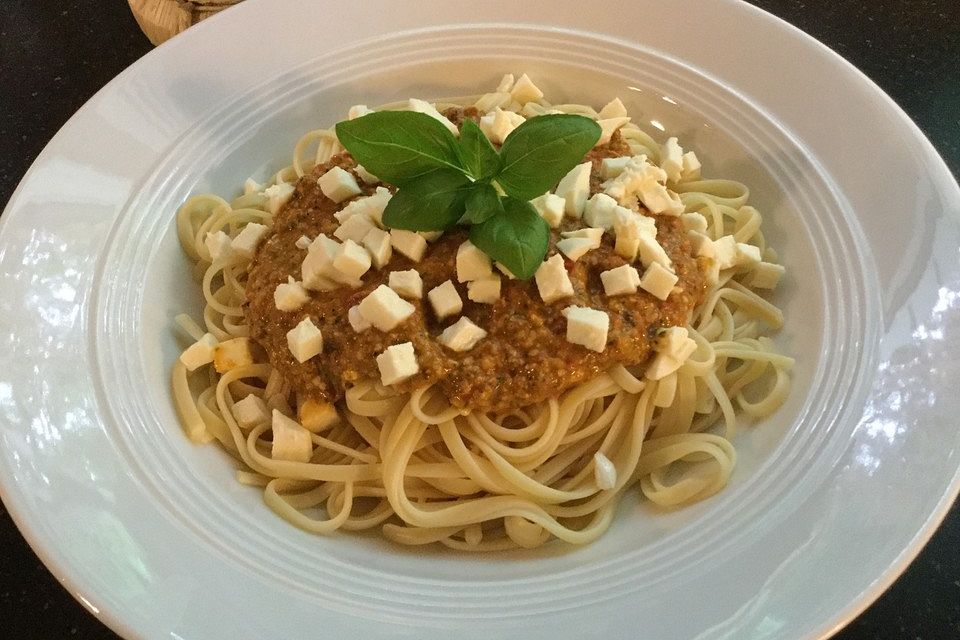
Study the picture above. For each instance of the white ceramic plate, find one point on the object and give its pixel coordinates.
(832, 498)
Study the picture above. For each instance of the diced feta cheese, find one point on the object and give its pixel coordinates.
(431, 236)
(303, 242)
(525, 91)
(422, 106)
(701, 244)
(305, 340)
(587, 327)
(552, 279)
(550, 207)
(576, 248)
(352, 260)
(218, 245)
(658, 281)
(498, 124)
(249, 238)
(620, 280)
(725, 252)
(658, 199)
(371, 207)
(250, 412)
(397, 363)
(484, 290)
(317, 416)
(366, 176)
(291, 442)
(462, 335)
(608, 126)
(637, 175)
(357, 322)
(628, 227)
(676, 343)
(290, 295)
(384, 309)
(472, 263)
(338, 184)
(251, 186)
(277, 196)
(691, 167)
(671, 159)
(490, 101)
(354, 228)
(661, 366)
(409, 243)
(604, 473)
(358, 111)
(613, 109)
(574, 189)
(765, 275)
(506, 83)
(612, 167)
(445, 300)
(651, 252)
(377, 243)
(694, 222)
(317, 268)
(601, 211)
(408, 284)
(666, 391)
(594, 234)
(747, 254)
(199, 353)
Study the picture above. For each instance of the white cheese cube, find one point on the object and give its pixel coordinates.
(620, 280)
(354, 228)
(397, 363)
(462, 335)
(377, 243)
(691, 167)
(666, 391)
(658, 281)
(371, 207)
(358, 111)
(352, 260)
(303, 242)
(422, 106)
(747, 254)
(613, 109)
(290, 295)
(199, 353)
(250, 412)
(232, 353)
(651, 252)
(251, 186)
(671, 159)
(498, 124)
(587, 327)
(660, 367)
(484, 290)
(525, 91)
(246, 242)
(636, 176)
(576, 248)
(291, 442)
(725, 252)
(765, 275)
(550, 207)
(701, 244)
(608, 126)
(356, 319)
(604, 473)
(277, 196)
(506, 83)
(409, 243)
(366, 176)
(408, 284)
(601, 211)
(628, 226)
(445, 300)
(472, 263)
(305, 340)
(594, 234)
(676, 343)
(552, 279)
(218, 245)
(490, 101)
(384, 309)
(338, 184)
(574, 189)
(316, 270)
(431, 236)
(658, 199)
(612, 167)
(694, 222)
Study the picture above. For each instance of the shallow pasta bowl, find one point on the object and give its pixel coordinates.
(171, 546)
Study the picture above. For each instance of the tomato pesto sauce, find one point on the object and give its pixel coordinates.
(524, 358)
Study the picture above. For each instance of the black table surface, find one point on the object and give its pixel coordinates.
(55, 54)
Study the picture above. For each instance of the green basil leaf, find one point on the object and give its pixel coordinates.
(397, 146)
(482, 203)
(542, 150)
(431, 202)
(518, 237)
(476, 153)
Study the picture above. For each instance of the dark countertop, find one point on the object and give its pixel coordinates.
(55, 55)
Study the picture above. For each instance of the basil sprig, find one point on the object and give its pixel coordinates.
(443, 181)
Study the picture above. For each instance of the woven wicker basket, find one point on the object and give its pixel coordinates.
(163, 19)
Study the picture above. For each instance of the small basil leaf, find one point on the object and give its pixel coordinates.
(476, 153)
(518, 237)
(482, 203)
(397, 146)
(431, 202)
(542, 150)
